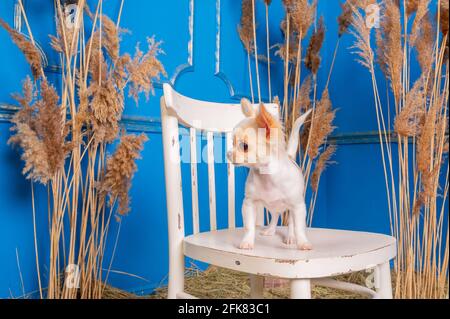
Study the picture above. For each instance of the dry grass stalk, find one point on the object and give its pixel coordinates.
(421, 120)
(95, 77)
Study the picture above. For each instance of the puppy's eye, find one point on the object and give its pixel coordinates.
(244, 146)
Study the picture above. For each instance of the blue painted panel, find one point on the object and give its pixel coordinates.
(352, 192)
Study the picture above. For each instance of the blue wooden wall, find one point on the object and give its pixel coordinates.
(207, 62)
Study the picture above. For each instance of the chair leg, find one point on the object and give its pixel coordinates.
(256, 287)
(176, 281)
(300, 289)
(383, 281)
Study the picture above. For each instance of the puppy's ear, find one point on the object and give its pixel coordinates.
(247, 108)
(266, 120)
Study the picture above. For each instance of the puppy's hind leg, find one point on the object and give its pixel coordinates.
(299, 217)
(270, 230)
(290, 238)
(249, 219)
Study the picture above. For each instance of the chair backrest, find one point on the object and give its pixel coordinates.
(197, 116)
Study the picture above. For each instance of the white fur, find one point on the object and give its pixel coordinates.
(278, 184)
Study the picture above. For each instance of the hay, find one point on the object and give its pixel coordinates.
(222, 283)
(219, 283)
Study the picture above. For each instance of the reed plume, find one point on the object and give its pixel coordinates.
(411, 6)
(39, 131)
(444, 24)
(409, 121)
(79, 126)
(444, 17)
(421, 116)
(322, 125)
(111, 38)
(362, 46)
(390, 50)
(304, 102)
(145, 68)
(321, 165)
(30, 51)
(424, 42)
(106, 106)
(345, 19)
(302, 13)
(120, 169)
(312, 59)
(245, 28)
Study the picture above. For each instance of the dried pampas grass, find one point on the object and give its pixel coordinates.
(144, 69)
(412, 6)
(120, 169)
(390, 49)
(312, 59)
(443, 22)
(106, 108)
(421, 116)
(303, 14)
(321, 165)
(27, 47)
(409, 121)
(345, 19)
(425, 43)
(79, 126)
(245, 28)
(322, 125)
(40, 132)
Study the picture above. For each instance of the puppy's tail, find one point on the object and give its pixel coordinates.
(292, 146)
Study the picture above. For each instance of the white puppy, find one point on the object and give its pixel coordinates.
(274, 180)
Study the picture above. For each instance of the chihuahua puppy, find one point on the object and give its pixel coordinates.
(275, 180)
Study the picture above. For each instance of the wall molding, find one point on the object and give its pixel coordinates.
(218, 72)
(152, 125)
(189, 65)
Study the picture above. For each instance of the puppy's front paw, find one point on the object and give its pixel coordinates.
(290, 240)
(246, 245)
(268, 232)
(305, 246)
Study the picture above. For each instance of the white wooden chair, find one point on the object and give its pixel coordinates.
(335, 252)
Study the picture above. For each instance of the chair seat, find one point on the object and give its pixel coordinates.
(335, 252)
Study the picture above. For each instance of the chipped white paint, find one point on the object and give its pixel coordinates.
(231, 186)
(189, 65)
(191, 33)
(175, 214)
(335, 252)
(211, 182)
(218, 35)
(194, 181)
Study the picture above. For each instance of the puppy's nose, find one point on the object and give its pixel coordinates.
(230, 156)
